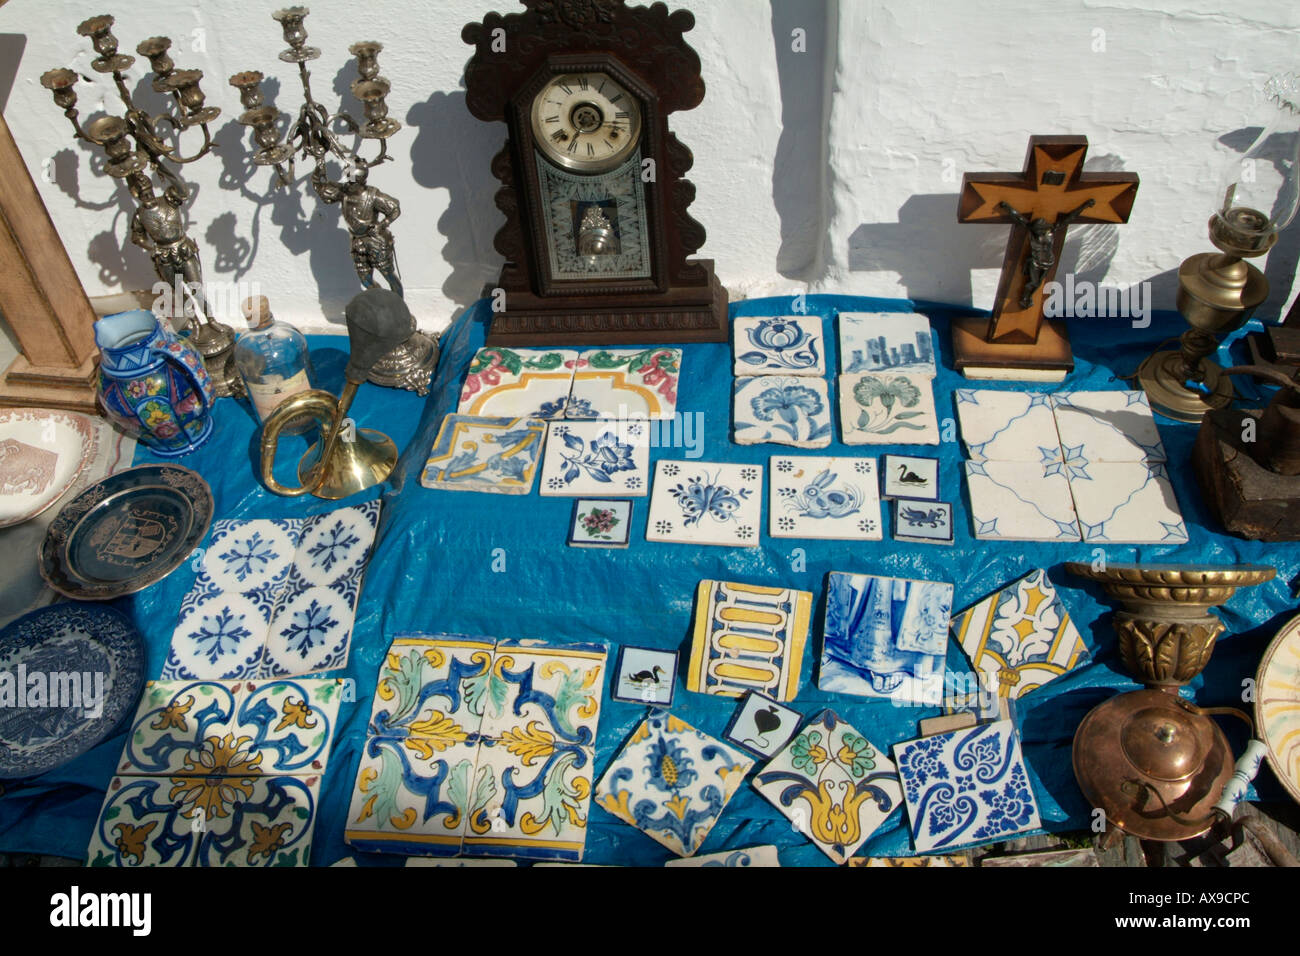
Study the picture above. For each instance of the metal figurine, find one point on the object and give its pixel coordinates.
(134, 151)
(367, 212)
(1042, 238)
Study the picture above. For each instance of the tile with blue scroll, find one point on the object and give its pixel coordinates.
(778, 345)
(750, 856)
(544, 693)
(262, 821)
(1130, 502)
(248, 555)
(478, 453)
(782, 410)
(1021, 501)
(436, 686)
(625, 383)
(335, 546)
(221, 635)
(290, 722)
(697, 502)
(966, 787)
(1108, 426)
(142, 823)
(173, 722)
(885, 637)
(311, 632)
(833, 785)
(1007, 425)
(518, 383)
(672, 782)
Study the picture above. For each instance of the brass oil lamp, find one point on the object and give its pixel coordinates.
(1157, 765)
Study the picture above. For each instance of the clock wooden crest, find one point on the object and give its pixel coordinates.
(597, 238)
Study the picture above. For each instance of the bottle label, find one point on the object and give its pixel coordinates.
(269, 394)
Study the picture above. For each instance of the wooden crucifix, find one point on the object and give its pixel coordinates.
(1039, 203)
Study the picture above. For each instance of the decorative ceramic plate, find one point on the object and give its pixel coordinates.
(41, 454)
(77, 669)
(1277, 705)
(125, 532)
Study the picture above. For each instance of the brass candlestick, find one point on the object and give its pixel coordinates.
(366, 210)
(135, 150)
(1154, 763)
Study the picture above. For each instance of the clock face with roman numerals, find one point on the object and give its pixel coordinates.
(586, 122)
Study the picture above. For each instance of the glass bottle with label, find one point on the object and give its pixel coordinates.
(271, 357)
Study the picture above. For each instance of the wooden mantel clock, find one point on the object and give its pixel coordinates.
(597, 236)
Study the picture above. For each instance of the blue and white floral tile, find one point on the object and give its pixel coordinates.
(1020, 501)
(778, 345)
(417, 795)
(310, 634)
(610, 458)
(262, 821)
(335, 546)
(518, 383)
(141, 825)
(966, 787)
(885, 637)
(748, 637)
(830, 498)
(248, 555)
(290, 723)
(435, 686)
(672, 782)
(601, 523)
(543, 696)
(750, 856)
(833, 784)
(1108, 426)
(1019, 638)
(923, 522)
(475, 453)
(910, 476)
(625, 383)
(886, 342)
(1127, 502)
(538, 799)
(1007, 426)
(700, 502)
(172, 723)
(221, 636)
(781, 410)
(887, 408)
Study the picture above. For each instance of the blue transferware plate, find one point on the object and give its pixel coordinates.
(48, 717)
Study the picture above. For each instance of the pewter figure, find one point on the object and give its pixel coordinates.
(1042, 240)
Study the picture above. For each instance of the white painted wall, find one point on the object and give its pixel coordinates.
(835, 169)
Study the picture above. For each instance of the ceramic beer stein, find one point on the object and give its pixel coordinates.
(152, 385)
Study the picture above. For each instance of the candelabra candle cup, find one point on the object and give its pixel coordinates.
(249, 84)
(155, 50)
(110, 133)
(372, 95)
(61, 82)
(185, 84)
(367, 54)
(100, 31)
(295, 34)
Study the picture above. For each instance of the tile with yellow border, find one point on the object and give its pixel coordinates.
(748, 637)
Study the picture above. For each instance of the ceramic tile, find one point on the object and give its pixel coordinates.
(940, 860)
(626, 383)
(885, 637)
(311, 633)
(887, 409)
(539, 802)
(335, 546)
(141, 825)
(518, 383)
(475, 453)
(248, 555)
(463, 862)
(1007, 426)
(597, 458)
(761, 725)
(833, 784)
(910, 476)
(782, 410)
(923, 522)
(748, 637)
(172, 723)
(1108, 426)
(220, 636)
(645, 675)
(290, 723)
(434, 686)
(1020, 501)
(831, 498)
(600, 523)
(542, 696)
(1050, 858)
(266, 821)
(751, 856)
(886, 342)
(698, 502)
(1127, 502)
(966, 787)
(672, 782)
(1019, 638)
(416, 795)
(778, 345)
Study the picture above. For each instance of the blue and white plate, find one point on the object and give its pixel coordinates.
(69, 673)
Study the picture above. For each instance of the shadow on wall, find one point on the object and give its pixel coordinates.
(804, 38)
(453, 151)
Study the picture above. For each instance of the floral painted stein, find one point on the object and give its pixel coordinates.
(152, 385)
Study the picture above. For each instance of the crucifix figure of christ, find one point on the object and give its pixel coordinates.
(1039, 203)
